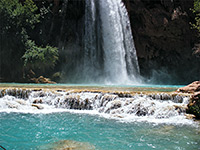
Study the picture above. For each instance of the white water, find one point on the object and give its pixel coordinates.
(135, 108)
(109, 51)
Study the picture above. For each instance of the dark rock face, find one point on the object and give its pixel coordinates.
(164, 39)
(162, 32)
(161, 29)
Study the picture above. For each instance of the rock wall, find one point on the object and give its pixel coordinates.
(161, 28)
(164, 39)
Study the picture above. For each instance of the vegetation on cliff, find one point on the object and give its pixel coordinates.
(18, 20)
(196, 11)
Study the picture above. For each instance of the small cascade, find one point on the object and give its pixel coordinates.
(137, 107)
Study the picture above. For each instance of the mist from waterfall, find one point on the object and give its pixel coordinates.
(108, 54)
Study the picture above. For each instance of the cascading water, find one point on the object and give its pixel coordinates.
(109, 52)
(151, 108)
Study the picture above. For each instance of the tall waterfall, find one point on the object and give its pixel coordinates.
(99, 47)
(109, 51)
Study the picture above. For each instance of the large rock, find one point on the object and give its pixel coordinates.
(42, 79)
(68, 145)
(191, 88)
(194, 104)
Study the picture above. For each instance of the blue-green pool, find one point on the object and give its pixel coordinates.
(22, 131)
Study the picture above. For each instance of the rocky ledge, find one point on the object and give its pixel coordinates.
(42, 79)
(194, 104)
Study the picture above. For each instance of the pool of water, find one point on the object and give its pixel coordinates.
(24, 127)
(93, 85)
(37, 131)
(139, 87)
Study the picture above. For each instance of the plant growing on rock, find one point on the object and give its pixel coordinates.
(41, 58)
(15, 17)
(196, 11)
(18, 19)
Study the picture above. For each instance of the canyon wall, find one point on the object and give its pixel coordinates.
(165, 40)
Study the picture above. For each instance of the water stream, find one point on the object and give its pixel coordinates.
(40, 119)
(108, 53)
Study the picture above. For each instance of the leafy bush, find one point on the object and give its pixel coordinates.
(196, 11)
(16, 15)
(17, 21)
(39, 58)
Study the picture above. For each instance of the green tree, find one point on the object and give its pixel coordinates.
(40, 58)
(196, 11)
(15, 15)
(17, 20)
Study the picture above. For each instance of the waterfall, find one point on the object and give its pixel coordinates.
(99, 47)
(109, 51)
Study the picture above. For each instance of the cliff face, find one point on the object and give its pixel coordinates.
(162, 32)
(164, 39)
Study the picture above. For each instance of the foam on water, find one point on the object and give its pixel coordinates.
(127, 109)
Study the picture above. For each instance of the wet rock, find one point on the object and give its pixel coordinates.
(194, 107)
(2, 93)
(37, 106)
(181, 108)
(196, 95)
(75, 102)
(113, 105)
(18, 93)
(22, 102)
(190, 116)
(37, 101)
(69, 145)
(12, 105)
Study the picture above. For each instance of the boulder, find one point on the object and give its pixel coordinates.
(194, 108)
(191, 88)
(42, 79)
(37, 106)
(194, 103)
(69, 145)
(196, 95)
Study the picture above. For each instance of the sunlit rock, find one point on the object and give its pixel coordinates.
(37, 106)
(37, 101)
(20, 101)
(42, 79)
(194, 103)
(68, 145)
(191, 88)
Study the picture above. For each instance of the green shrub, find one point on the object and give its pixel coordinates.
(15, 15)
(40, 58)
(196, 11)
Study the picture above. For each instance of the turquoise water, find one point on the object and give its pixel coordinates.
(131, 87)
(94, 85)
(33, 131)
